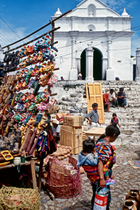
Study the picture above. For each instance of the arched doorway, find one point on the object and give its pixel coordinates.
(97, 64)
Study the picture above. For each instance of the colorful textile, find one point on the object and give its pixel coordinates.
(106, 98)
(106, 153)
(114, 121)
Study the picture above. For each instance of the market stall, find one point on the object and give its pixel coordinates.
(26, 103)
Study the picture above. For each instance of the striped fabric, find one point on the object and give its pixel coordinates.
(106, 153)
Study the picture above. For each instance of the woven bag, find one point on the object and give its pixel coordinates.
(61, 182)
(19, 199)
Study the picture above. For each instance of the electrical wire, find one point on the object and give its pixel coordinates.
(102, 36)
(97, 45)
(4, 37)
(7, 36)
(9, 27)
(50, 22)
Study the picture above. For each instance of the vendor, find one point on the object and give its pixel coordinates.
(93, 116)
(56, 129)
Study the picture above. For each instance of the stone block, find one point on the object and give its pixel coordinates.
(73, 74)
(110, 75)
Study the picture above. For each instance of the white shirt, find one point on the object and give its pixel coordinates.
(56, 130)
(111, 95)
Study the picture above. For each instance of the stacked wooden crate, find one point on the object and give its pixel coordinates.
(71, 133)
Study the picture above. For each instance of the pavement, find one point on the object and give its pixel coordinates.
(126, 178)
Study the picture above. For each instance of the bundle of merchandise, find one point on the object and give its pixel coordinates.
(61, 153)
(18, 198)
(24, 115)
(64, 179)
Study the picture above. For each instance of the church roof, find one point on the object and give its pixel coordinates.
(104, 5)
(87, 0)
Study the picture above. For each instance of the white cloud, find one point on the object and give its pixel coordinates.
(135, 43)
(118, 5)
(7, 36)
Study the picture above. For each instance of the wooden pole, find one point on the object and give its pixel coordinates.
(37, 30)
(33, 174)
(32, 40)
(40, 175)
(53, 26)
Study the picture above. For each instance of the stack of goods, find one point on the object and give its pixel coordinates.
(1, 70)
(71, 133)
(60, 116)
(18, 198)
(24, 111)
(132, 200)
(62, 152)
(64, 179)
(12, 61)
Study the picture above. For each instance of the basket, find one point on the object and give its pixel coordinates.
(61, 181)
(19, 199)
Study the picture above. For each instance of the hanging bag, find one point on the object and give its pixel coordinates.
(100, 202)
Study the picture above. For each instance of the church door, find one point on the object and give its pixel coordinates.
(97, 64)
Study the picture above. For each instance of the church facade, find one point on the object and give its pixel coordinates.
(94, 40)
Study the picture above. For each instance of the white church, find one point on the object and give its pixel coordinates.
(94, 40)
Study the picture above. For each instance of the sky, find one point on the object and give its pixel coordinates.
(26, 16)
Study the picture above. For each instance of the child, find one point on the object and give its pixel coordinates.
(114, 120)
(86, 157)
(93, 116)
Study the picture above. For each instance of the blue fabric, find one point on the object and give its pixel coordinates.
(90, 159)
(123, 94)
(121, 101)
(93, 115)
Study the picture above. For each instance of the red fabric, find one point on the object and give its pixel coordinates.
(106, 98)
(52, 146)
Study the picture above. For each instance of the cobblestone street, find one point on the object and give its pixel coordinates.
(126, 178)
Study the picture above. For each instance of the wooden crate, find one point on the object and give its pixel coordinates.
(71, 136)
(73, 121)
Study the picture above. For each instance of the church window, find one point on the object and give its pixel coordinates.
(91, 10)
(91, 27)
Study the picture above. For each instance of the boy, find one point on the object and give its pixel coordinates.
(93, 116)
(121, 98)
(112, 97)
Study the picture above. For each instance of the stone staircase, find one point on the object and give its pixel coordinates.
(129, 118)
(70, 98)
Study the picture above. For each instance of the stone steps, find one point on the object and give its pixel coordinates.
(70, 94)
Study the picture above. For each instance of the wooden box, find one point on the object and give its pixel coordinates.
(73, 121)
(71, 136)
